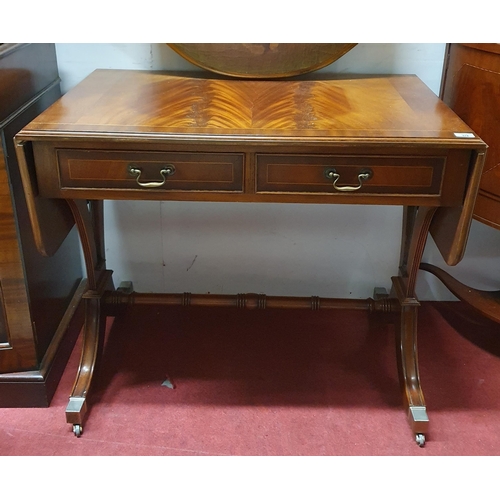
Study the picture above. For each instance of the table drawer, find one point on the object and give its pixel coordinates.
(332, 174)
(149, 170)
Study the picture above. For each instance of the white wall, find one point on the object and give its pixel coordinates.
(277, 249)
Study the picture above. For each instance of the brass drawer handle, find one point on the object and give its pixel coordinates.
(164, 172)
(364, 175)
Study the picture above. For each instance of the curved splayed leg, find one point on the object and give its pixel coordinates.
(415, 231)
(89, 224)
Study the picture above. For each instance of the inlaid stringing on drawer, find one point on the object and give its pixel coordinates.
(386, 174)
(114, 169)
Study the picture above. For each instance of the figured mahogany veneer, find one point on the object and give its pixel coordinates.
(351, 140)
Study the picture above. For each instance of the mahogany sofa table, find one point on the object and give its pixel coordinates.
(141, 135)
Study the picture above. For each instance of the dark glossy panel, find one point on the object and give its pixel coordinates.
(49, 289)
(25, 70)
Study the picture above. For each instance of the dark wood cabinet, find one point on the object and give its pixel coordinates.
(471, 87)
(40, 316)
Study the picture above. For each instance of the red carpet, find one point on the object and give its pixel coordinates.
(273, 383)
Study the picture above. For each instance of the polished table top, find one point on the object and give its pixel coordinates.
(155, 104)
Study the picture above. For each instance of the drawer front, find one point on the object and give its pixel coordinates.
(329, 174)
(150, 170)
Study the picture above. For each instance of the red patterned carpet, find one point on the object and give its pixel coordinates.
(273, 383)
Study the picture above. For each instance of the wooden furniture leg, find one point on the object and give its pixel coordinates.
(89, 223)
(415, 230)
